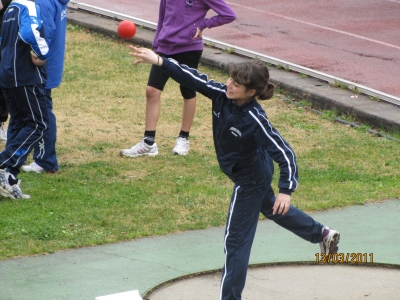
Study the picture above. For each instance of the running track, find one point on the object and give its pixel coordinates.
(355, 40)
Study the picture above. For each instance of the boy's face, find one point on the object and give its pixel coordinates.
(238, 92)
(235, 91)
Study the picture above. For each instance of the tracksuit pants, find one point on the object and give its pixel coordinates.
(246, 204)
(3, 108)
(44, 153)
(28, 121)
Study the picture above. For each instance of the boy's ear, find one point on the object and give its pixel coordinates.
(251, 92)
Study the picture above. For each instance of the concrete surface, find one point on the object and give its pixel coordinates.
(294, 282)
(146, 263)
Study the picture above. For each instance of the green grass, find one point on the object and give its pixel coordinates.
(100, 197)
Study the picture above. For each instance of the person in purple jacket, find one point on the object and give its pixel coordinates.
(179, 36)
(246, 145)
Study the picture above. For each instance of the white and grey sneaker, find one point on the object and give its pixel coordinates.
(33, 167)
(330, 241)
(10, 191)
(3, 133)
(182, 146)
(141, 149)
(3, 178)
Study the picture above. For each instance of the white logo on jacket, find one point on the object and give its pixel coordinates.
(63, 14)
(34, 20)
(216, 114)
(235, 131)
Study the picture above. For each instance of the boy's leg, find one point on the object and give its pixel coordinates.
(153, 108)
(303, 225)
(189, 110)
(44, 153)
(3, 117)
(240, 229)
(294, 220)
(3, 108)
(155, 85)
(28, 120)
(182, 146)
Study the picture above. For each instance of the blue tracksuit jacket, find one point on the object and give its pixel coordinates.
(22, 31)
(244, 139)
(54, 16)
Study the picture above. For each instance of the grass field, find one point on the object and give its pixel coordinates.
(99, 197)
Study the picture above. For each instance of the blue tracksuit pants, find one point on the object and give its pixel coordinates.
(247, 203)
(28, 121)
(44, 153)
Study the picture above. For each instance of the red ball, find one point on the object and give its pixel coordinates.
(126, 29)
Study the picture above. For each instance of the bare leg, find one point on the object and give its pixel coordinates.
(153, 107)
(189, 109)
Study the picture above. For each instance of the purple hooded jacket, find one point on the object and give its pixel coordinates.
(179, 19)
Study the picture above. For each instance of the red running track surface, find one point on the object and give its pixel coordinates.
(354, 40)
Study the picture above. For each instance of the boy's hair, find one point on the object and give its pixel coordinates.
(253, 75)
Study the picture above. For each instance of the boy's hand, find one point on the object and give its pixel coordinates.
(282, 204)
(35, 60)
(145, 55)
(199, 34)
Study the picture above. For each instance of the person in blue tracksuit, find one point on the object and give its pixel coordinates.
(54, 15)
(22, 78)
(3, 103)
(246, 145)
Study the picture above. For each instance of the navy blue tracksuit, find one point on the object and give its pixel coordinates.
(3, 101)
(22, 82)
(246, 145)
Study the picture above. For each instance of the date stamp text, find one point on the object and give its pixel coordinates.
(344, 258)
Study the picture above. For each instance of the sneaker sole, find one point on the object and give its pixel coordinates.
(137, 155)
(6, 194)
(28, 169)
(181, 153)
(32, 171)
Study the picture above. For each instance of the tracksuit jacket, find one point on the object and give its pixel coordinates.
(178, 21)
(246, 145)
(54, 14)
(22, 31)
(244, 139)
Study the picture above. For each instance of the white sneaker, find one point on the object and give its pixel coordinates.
(330, 241)
(33, 167)
(3, 178)
(10, 191)
(141, 149)
(182, 146)
(3, 133)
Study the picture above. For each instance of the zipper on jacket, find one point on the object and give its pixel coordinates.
(223, 127)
